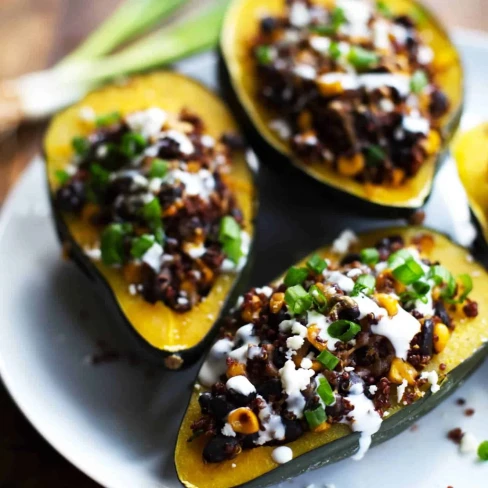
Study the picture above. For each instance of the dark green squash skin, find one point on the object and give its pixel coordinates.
(342, 197)
(346, 446)
(160, 357)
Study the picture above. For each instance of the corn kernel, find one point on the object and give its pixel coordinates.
(432, 143)
(305, 120)
(329, 89)
(276, 302)
(387, 302)
(236, 369)
(89, 211)
(322, 427)
(351, 166)
(402, 370)
(441, 337)
(243, 421)
(397, 177)
(312, 333)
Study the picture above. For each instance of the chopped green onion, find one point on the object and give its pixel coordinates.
(62, 176)
(419, 292)
(151, 212)
(344, 330)
(325, 392)
(383, 9)
(338, 17)
(408, 272)
(334, 50)
(264, 54)
(421, 287)
(230, 238)
(375, 155)
(141, 244)
(112, 243)
(316, 417)
(318, 297)
(483, 451)
(323, 30)
(467, 284)
(105, 120)
(442, 276)
(398, 257)
(81, 145)
(132, 144)
(158, 169)
(132, 18)
(316, 264)
(297, 299)
(295, 276)
(418, 15)
(362, 58)
(328, 359)
(99, 177)
(364, 284)
(418, 81)
(370, 256)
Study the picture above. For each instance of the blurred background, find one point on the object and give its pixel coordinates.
(34, 34)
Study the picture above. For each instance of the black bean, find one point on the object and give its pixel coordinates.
(441, 312)
(71, 197)
(239, 399)
(268, 25)
(350, 258)
(221, 448)
(270, 390)
(427, 338)
(293, 429)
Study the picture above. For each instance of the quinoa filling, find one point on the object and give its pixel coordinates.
(326, 344)
(156, 186)
(352, 87)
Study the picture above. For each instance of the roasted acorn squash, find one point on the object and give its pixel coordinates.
(174, 337)
(241, 26)
(470, 150)
(255, 467)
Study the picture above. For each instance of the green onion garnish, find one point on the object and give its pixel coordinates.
(344, 330)
(107, 119)
(81, 145)
(230, 238)
(264, 54)
(442, 276)
(421, 287)
(328, 360)
(418, 81)
(315, 417)
(467, 284)
(132, 144)
(151, 213)
(362, 58)
(112, 243)
(297, 299)
(295, 276)
(99, 176)
(364, 284)
(325, 392)
(62, 176)
(375, 155)
(398, 257)
(419, 292)
(318, 297)
(338, 17)
(408, 272)
(334, 50)
(141, 244)
(483, 451)
(383, 9)
(370, 256)
(158, 169)
(316, 264)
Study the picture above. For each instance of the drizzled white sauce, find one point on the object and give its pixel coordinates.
(240, 384)
(294, 381)
(381, 31)
(305, 71)
(433, 378)
(185, 145)
(148, 122)
(282, 455)
(299, 15)
(320, 44)
(373, 81)
(342, 244)
(245, 337)
(416, 124)
(346, 284)
(215, 366)
(272, 424)
(365, 419)
(322, 322)
(357, 15)
(196, 184)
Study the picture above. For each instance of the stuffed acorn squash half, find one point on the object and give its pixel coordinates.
(362, 98)
(154, 199)
(470, 151)
(343, 352)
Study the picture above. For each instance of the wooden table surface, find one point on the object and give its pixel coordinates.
(33, 35)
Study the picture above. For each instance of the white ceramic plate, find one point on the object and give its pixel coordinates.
(116, 423)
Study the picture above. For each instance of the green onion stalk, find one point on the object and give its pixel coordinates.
(38, 95)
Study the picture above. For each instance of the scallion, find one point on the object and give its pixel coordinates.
(158, 169)
(328, 359)
(316, 264)
(107, 119)
(295, 276)
(418, 81)
(364, 284)
(408, 272)
(315, 417)
(325, 392)
(318, 297)
(132, 144)
(230, 238)
(398, 257)
(112, 243)
(383, 9)
(264, 54)
(335, 50)
(62, 176)
(141, 244)
(362, 58)
(483, 451)
(370, 256)
(297, 299)
(151, 213)
(375, 155)
(467, 286)
(344, 330)
(81, 145)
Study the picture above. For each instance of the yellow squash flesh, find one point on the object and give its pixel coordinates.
(470, 150)
(467, 338)
(240, 28)
(157, 324)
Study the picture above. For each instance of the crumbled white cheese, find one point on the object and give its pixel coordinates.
(155, 184)
(345, 283)
(374, 81)
(240, 384)
(234, 465)
(320, 44)
(152, 257)
(373, 389)
(281, 127)
(299, 329)
(386, 105)
(381, 32)
(265, 290)
(184, 143)
(354, 272)
(147, 122)
(468, 444)
(299, 15)
(306, 363)
(196, 252)
(208, 141)
(87, 114)
(305, 71)
(425, 55)
(416, 124)
(345, 240)
(132, 289)
(294, 381)
(282, 455)
(227, 430)
(94, 253)
(433, 378)
(294, 342)
(357, 15)
(196, 184)
(401, 390)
